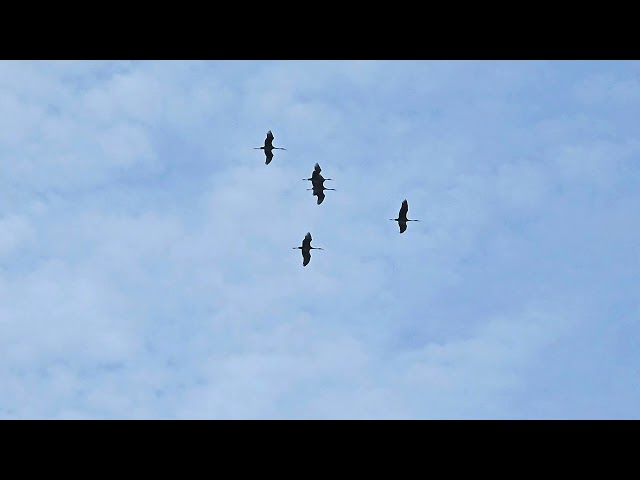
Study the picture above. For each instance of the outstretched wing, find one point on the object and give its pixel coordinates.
(306, 257)
(403, 226)
(316, 168)
(404, 209)
(268, 142)
(306, 243)
(320, 195)
(269, 155)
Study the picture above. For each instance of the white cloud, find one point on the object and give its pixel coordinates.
(148, 269)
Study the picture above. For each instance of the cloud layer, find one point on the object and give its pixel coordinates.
(146, 262)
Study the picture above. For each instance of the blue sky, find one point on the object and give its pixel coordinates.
(146, 262)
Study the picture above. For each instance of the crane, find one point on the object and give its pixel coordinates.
(317, 181)
(316, 176)
(268, 148)
(318, 191)
(306, 249)
(402, 216)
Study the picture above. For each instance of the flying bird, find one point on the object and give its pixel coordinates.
(402, 216)
(306, 249)
(317, 181)
(268, 148)
(318, 191)
(316, 176)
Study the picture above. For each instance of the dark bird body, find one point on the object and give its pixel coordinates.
(306, 249)
(317, 181)
(402, 216)
(318, 191)
(268, 148)
(316, 176)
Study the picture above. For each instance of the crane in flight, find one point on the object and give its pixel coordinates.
(318, 191)
(316, 176)
(402, 216)
(268, 148)
(306, 249)
(317, 181)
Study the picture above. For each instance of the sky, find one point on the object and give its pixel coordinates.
(147, 268)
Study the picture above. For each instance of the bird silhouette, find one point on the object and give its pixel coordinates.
(316, 176)
(268, 147)
(402, 216)
(306, 249)
(318, 191)
(317, 181)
